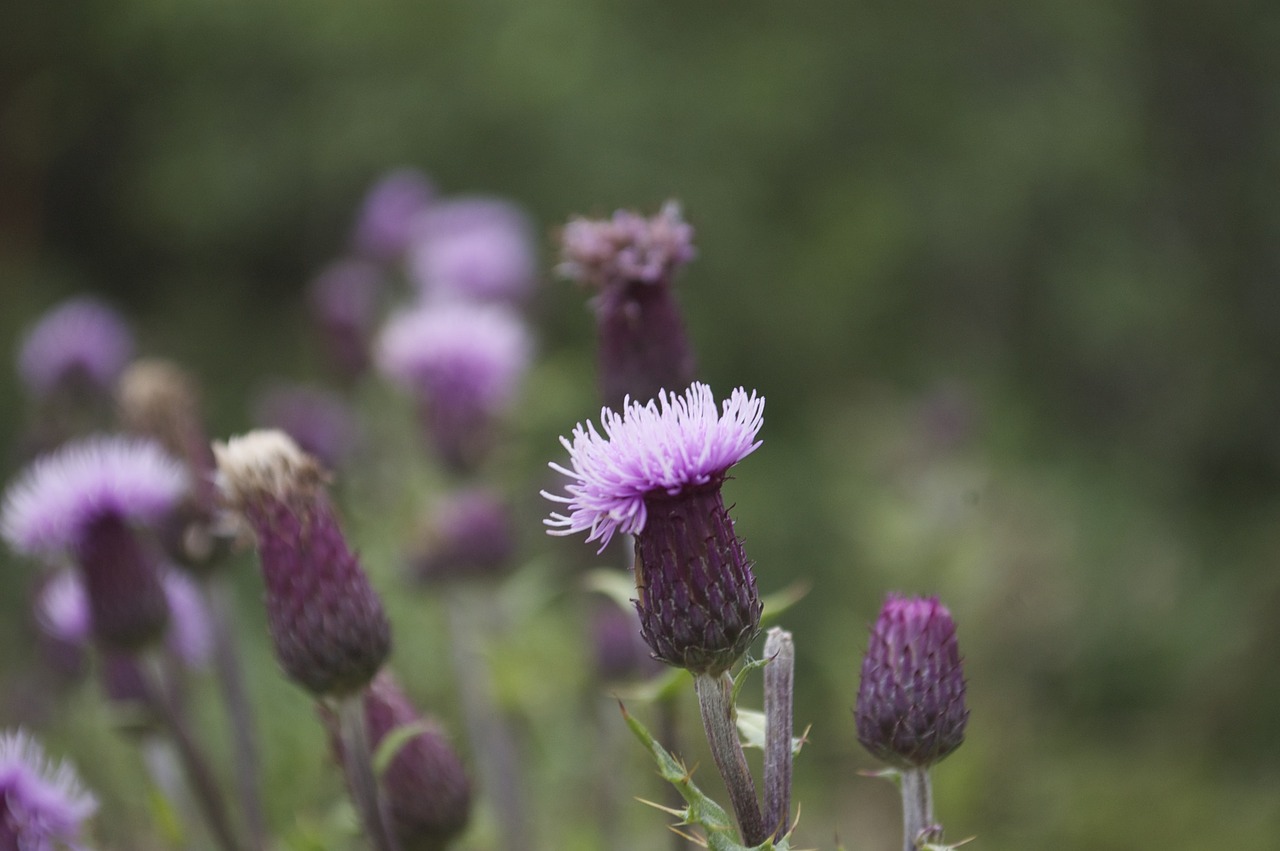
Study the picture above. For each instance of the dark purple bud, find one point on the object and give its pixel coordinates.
(124, 684)
(330, 632)
(911, 708)
(471, 538)
(427, 791)
(621, 654)
(127, 604)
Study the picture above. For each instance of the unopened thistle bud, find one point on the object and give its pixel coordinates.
(631, 261)
(911, 709)
(474, 249)
(471, 538)
(329, 630)
(462, 363)
(426, 789)
(656, 474)
(86, 501)
(42, 803)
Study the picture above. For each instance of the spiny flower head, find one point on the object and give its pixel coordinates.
(328, 626)
(51, 506)
(477, 249)
(627, 248)
(669, 445)
(81, 338)
(911, 698)
(42, 803)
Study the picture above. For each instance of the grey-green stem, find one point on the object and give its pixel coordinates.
(726, 748)
(917, 807)
(357, 762)
(779, 676)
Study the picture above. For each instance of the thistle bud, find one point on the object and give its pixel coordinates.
(631, 262)
(657, 475)
(911, 709)
(343, 301)
(472, 538)
(385, 221)
(328, 626)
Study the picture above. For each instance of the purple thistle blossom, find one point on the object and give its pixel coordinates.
(665, 447)
(320, 422)
(657, 473)
(472, 538)
(478, 249)
(328, 626)
(62, 609)
(384, 224)
(42, 803)
(627, 248)
(462, 363)
(911, 697)
(190, 636)
(52, 505)
(80, 339)
(343, 301)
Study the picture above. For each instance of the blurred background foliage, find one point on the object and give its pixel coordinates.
(1006, 273)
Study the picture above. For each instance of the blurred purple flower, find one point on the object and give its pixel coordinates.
(473, 248)
(385, 221)
(462, 363)
(190, 635)
(62, 608)
(656, 473)
(473, 538)
(627, 248)
(81, 339)
(343, 300)
(320, 422)
(42, 803)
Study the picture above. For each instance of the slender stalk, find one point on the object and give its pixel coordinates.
(230, 674)
(199, 775)
(726, 749)
(492, 741)
(779, 675)
(357, 762)
(917, 807)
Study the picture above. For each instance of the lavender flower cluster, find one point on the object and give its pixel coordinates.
(134, 514)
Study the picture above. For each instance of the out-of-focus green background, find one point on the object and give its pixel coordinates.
(1006, 272)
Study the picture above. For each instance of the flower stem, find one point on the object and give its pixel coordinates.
(917, 807)
(726, 749)
(199, 774)
(226, 660)
(779, 675)
(358, 764)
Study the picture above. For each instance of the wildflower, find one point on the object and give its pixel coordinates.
(42, 803)
(472, 538)
(328, 626)
(477, 249)
(320, 422)
(343, 302)
(81, 342)
(462, 363)
(656, 473)
(631, 261)
(83, 501)
(385, 221)
(427, 793)
(911, 708)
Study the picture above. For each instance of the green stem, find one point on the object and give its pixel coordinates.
(917, 808)
(726, 749)
(357, 762)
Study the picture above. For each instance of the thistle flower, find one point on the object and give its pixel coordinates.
(427, 793)
(328, 626)
(42, 803)
(656, 473)
(463, 364)
(385, 221)
(631, 262)
(83, 501)
(472, 537)
(320, 422)
(81, 342)
(478, 249)
(343, 301)
(911, 709)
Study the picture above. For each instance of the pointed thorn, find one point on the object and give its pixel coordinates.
(683, 814)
